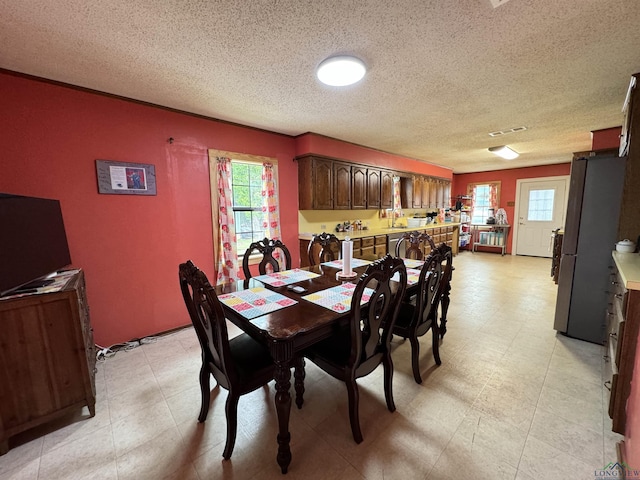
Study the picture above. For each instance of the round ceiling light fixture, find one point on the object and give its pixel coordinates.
(341, 71)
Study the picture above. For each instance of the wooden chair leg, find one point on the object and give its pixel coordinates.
(205, 391)
(299, 375)
(435, 343)
(354, 417)
(387, 364)
(445, 300)
(415, 358)
(231, 410)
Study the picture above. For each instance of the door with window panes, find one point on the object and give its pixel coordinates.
(246, 185)
(541, 209)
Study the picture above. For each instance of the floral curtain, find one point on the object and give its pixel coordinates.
(397, 203)
(227, 252)
(271, 213)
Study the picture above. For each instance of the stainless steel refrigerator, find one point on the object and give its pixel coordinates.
(595, 194)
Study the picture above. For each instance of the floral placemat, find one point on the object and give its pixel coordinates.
(412, 263)
(286, 277)
(355, 263)
(255, 302)
(413, 276)
(338, 298)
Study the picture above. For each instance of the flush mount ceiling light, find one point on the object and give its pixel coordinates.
(504, 152)
(341, 71)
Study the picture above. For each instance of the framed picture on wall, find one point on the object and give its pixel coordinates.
(125, 178)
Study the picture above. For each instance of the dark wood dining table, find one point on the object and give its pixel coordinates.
(288, 331)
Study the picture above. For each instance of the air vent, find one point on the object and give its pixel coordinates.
(505, 132)
(497, 3)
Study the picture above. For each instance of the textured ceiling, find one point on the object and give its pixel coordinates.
(442, 74)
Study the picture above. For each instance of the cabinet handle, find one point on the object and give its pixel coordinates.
(608, 387)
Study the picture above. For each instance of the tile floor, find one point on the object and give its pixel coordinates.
(511, 400)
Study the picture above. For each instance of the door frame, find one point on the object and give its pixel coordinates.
(516, 210)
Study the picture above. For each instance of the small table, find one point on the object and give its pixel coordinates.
(489, 236)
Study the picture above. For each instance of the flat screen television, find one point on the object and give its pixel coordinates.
(33, 242)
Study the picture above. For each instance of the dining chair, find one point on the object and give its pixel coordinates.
(240, 365)
(363, 344)
(415, 242)
(330, 248)
(447, 258)
(417, 317)
(267, 248)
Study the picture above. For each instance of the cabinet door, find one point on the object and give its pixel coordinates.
(386, 189)
(426, 188)
(417, 192)
(322, 185)
(440, 194)
(447, 193)
(341, 186)
(373, 188)
(358, 187)
(433, 193)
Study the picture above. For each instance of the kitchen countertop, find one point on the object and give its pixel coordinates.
(379, 231)
(629, 267)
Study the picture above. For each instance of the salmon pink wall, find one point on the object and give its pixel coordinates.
(606, 138)
(129, 246)
(313, 143)
(508, 180)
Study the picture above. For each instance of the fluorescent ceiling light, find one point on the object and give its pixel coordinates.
(341, 71)
(504, 152)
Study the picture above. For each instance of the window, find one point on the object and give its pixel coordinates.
(541, 205)
(246, 185)
(481, 204)
(485, 198)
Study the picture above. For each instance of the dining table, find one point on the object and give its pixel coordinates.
(286, 322)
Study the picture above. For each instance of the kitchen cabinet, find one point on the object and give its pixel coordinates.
(315, 183)
(386, 189)
(380, 245)
(416, 180)
(48, 358)
(447, 194)
(373, 188)
(358, 187)
(426, 189)
(440, 194)
(433, 194)
(623, 321)
(341, 186)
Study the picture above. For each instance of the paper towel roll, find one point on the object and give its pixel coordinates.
(347, 253)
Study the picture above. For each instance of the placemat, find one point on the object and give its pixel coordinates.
(413, 276)
(285, 277)
(255, 302)
(412, 263)
(355, 263)
(338, 298)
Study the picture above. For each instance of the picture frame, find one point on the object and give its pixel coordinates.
(125, 178)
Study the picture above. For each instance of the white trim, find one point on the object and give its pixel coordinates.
(516, 210)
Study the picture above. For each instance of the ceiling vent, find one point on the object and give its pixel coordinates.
(505, 132)
(497, 3)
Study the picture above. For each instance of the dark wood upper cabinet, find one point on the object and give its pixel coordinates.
(417, 192)
(433, 194)
(447, 193)
(386, 189)
(358, 187)
(315, 183)
(373, 188)
(341, 186)
(426, 188)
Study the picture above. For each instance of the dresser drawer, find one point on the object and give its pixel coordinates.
(366, 242)
(380, 239)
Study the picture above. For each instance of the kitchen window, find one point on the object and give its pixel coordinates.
(485, 200)
(246, 185)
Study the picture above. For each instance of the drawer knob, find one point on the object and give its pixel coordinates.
(607, 385)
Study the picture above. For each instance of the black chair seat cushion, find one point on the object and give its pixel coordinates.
(250, 358)
(405, 315)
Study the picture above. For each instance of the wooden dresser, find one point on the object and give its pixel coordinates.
(47, 357)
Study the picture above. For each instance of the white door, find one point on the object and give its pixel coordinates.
(541, 209)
